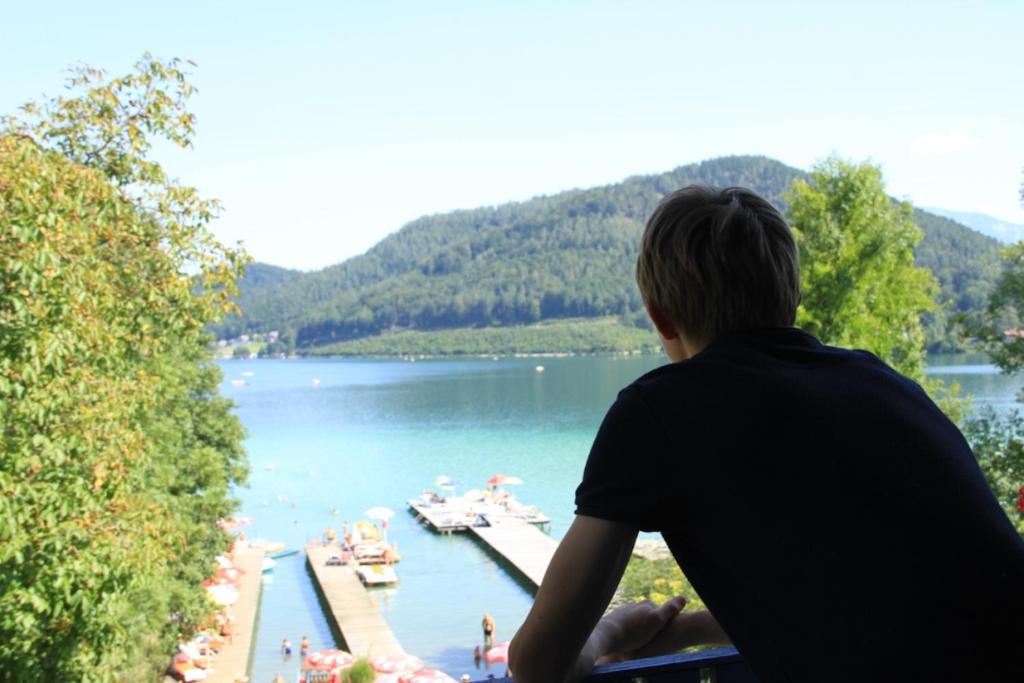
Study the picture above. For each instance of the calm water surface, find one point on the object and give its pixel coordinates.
(372, 433)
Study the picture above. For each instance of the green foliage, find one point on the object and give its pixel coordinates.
(241, 352)
(117, 453)
(601, 335)
(657, 581)
(998, 444)
(360, 672)
(999, 327)
(967, 265)
(860, 286)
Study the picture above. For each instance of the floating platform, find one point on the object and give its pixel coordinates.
(458, 513)
(376, 575)
(352, 611)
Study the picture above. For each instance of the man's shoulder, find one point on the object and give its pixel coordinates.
(758, 366)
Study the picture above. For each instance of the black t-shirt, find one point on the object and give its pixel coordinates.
(827, 512)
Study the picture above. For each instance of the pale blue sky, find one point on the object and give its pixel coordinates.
(323, 126)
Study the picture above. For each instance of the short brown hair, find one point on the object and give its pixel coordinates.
(713, 261)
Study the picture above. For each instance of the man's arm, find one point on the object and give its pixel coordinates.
(558, 640)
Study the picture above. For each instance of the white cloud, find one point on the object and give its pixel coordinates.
(940, 144)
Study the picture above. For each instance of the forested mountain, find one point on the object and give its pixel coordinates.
(568, 255)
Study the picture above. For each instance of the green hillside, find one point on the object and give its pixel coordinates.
(568, 255)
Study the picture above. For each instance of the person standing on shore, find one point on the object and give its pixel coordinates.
(304, 646)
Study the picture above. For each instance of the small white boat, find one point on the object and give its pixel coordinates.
(248, 373)
(268, 565)
(539, 368)
(238, 382)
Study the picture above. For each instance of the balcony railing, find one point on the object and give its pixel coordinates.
(722, 665)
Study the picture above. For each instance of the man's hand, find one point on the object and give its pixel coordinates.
(685, 629)
(631, 627)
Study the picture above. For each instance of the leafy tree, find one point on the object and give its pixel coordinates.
(998, 444)
(241, 351)
(117, 454)
(860, 285)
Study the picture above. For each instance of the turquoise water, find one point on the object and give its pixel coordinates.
(378, 432)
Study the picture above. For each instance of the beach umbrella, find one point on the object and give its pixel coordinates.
(233, 523)
(330, 659)
(195, 674)
(223, 593)
(497, 654)
(426, 676)
(390, 664)
(503, 480)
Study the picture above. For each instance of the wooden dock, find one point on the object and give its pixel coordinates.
(523, 545)
(233, 659)
(351, 609)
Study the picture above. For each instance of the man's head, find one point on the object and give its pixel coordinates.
(713, 261)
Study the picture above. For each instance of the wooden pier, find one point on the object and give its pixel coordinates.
(522, 545)
(351, 609)
(233, 659)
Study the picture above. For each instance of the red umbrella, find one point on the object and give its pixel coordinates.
(231, 574)
(504, 480)
(498, 653)
(390, 664)
(330, 660)
(426, 676)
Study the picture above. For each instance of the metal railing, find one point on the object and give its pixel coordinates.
(721, 665)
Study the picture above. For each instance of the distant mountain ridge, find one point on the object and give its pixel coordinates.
(570, 255)
(1004, 231)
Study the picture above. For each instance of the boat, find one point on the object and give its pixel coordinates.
(282, 553)
(268, 565)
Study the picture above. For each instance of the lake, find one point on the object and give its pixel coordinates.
(346, 435)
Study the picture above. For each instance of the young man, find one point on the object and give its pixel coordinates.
(832, 519)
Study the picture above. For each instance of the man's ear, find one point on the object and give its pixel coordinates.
(660, 320)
